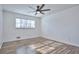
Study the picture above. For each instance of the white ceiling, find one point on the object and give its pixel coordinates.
(27, 8)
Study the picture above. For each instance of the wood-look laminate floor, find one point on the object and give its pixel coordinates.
(11, 47)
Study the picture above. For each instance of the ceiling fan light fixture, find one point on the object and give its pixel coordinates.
(38, 12)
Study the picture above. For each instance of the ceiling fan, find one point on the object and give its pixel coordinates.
(39, 9)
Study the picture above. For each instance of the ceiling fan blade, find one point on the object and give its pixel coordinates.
(46, 10)
(36, 13)
(41, 12)
(42, 6)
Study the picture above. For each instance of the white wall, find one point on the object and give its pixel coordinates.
(1, 26)
(62, 26)
(10, 32)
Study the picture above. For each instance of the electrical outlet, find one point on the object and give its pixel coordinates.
(18, 37)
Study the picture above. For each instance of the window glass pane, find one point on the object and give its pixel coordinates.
(18, 21)
(23, 23)
(33, 24)
(28, 24)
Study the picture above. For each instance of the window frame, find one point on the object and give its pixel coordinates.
(26, 25)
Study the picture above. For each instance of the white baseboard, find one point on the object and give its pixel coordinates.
(21, 38)
(66, 42)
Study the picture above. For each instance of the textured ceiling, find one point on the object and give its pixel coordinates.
(27, 9)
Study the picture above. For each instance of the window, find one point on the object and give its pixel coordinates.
(23, 23)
